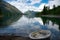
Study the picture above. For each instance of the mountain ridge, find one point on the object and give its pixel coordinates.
(8, 13)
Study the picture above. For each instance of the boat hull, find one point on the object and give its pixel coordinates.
(42, 35)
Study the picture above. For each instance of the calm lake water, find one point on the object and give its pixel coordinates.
(27, 24)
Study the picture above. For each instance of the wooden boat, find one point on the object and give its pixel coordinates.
(40, 35)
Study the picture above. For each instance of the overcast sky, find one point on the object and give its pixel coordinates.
(34, 5)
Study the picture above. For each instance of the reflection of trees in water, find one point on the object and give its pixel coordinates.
(54, 20)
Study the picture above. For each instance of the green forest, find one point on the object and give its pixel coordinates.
(52, 13)
(48, 11)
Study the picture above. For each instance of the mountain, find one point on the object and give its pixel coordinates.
(8, 13)
(30, 13)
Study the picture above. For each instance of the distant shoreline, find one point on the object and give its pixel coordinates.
(55, 16)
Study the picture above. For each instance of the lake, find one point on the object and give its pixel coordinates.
(27, 24)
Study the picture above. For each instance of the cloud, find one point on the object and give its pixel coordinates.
(42, 6)
(53, 2)
(35, 1)
(23, 6)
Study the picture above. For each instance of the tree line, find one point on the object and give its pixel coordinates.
(48, 11)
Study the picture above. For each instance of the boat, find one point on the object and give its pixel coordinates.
(42, 34)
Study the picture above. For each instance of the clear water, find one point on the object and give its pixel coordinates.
(25, 25)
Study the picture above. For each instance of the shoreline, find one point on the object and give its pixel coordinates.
(13, 38)
(55, 16)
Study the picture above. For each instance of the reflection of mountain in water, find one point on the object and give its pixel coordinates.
(22, 27)
(8, 13)
(25, 25)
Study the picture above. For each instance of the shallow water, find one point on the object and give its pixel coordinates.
(25, 25)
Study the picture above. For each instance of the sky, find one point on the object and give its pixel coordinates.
(33, 5)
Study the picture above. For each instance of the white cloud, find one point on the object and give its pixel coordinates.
(53, 2)
(20, 5)
(35, 1)
(23, 6)
(42, 6)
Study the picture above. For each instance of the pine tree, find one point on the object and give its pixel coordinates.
(54, 9)
(44, 10)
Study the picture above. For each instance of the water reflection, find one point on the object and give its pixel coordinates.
(53, 20)
(53, 24)
(26, 25)
(50, 25)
